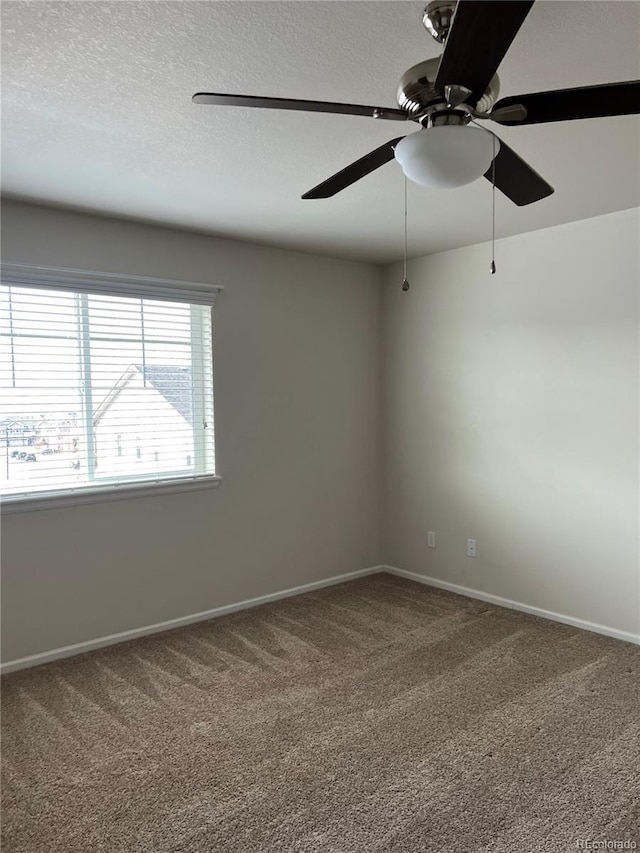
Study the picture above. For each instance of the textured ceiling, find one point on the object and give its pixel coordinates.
(97, 115)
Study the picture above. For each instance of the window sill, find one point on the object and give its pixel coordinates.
(10, 506)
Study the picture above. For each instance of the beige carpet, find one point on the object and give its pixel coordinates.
(379, 715)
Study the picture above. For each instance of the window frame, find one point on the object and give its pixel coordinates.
(123, 286)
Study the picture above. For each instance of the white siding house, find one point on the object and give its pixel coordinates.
(145, 424)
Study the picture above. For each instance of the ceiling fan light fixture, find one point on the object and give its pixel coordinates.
(446, 156)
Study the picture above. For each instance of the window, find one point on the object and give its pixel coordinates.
(106, 385)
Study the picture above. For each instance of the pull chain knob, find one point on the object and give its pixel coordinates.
(405, 283)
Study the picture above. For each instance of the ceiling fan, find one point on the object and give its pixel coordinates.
(446, 94)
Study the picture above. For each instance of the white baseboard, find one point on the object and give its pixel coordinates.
(124, 636)
(516, 605)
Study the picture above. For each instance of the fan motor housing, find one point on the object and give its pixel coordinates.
(417, 95)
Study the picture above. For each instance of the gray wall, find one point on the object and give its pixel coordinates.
(297, 437)
(508, 407)
(511, 416)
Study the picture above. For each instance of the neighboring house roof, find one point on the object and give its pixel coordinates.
(18, 423)
(174, 383)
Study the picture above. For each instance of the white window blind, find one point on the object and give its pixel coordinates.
(106, 383)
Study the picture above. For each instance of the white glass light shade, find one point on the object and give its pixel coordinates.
(447, 155)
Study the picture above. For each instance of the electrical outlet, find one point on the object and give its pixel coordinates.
(431, 539)
(471, 548)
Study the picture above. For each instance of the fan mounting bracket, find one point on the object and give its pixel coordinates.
(456, 94)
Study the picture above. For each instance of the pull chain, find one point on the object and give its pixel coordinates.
(405, 282)
(493, 209)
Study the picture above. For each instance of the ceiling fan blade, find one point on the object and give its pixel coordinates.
(221, 100)
(369, 163)
(609, 99)
(516, 179)
(480, 35)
